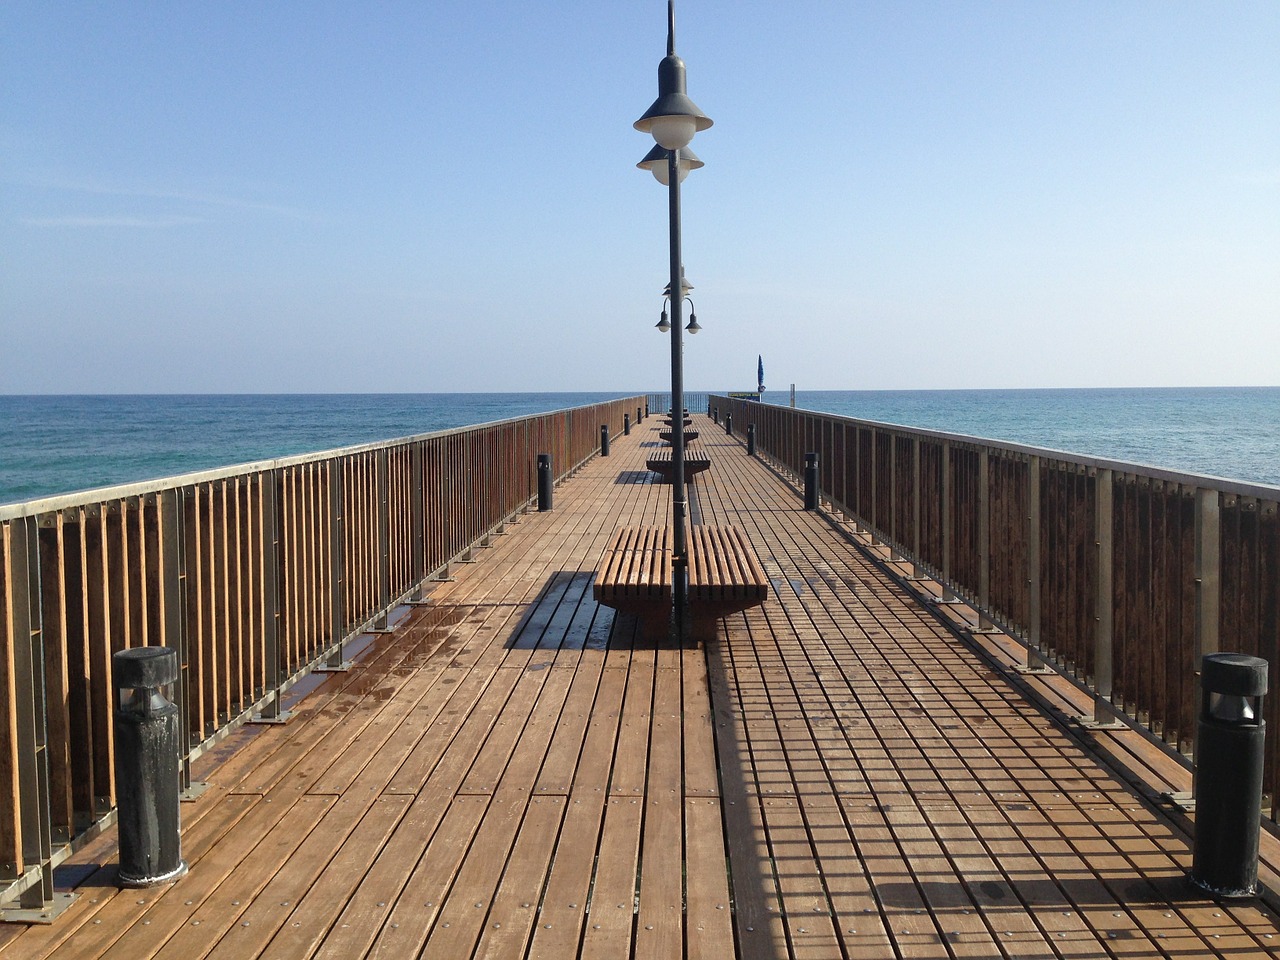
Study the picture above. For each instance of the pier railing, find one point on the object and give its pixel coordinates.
(254, 574)
(695, 402)
(1118, 575)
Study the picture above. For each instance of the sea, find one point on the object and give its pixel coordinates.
(61, 444)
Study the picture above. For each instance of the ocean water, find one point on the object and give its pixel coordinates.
(1230, 432)
(61, 444)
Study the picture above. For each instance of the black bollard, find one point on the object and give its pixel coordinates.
(751, 439)
(811, 481)
(146, 767)
(715, 415)
(604, 439)
(728, 423)
(544, 482)
(1228, 775)
(639, 415)
(626, 424)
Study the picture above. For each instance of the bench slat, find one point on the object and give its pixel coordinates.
(724, 575)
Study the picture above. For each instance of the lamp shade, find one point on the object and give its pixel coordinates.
(685, 286)
(655, 161)
(673, 118)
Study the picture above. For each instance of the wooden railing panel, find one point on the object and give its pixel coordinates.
(53, 619)
(252, 574)
(1121, 576)
(11, 861)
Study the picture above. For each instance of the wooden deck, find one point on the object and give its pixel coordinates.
(840, 774)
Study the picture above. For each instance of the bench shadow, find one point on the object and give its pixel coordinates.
(634, 476)
(565, 616)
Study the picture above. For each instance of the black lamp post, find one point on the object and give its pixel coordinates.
(673, 119)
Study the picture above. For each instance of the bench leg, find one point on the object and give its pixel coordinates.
(702, 627)
(656, 627)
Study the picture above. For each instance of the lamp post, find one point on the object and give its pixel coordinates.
(673, 119)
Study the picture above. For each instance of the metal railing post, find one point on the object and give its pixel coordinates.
(1208, 570)
(873, 514)
(1036, 663)
(274, 676)
(383, 482)
(947, 596)
(984, 542)
(1104, 712)
(337, 576)
(38, 902)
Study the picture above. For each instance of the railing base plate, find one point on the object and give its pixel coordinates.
(278, 720)
(1029, 671)
(1092, 723)
(46, 914)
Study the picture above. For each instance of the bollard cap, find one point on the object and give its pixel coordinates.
(1234, 674)
(810, 458)
(144, 667)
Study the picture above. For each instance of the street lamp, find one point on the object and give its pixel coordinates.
(664, 323)
(672, 120)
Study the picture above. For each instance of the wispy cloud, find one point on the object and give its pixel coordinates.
(164, 194)
(148, 223)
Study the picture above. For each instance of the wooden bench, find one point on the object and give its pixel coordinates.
(695, 461)
(635, 573)
(688, 435)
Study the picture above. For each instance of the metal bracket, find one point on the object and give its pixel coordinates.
(46, 914)
(1026, 670)
(1093, 723)
(274, 720)
(341, 667)
(194, 792)
(1036, 666)
(1182, 799)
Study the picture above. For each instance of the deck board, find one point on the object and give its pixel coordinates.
(842, 772)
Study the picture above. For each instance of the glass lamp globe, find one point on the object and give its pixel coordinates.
(673, 132)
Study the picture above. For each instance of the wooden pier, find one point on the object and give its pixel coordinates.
(843, 772)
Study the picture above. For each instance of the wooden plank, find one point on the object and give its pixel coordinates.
(396, 905)
(660, 917)
(188, 918)
(57, 692)
(297, 908)
(506, 737)
(666, 739)
(708, 918)
(581, 754)
(558, 924)
(503, 926)
(610, 916)
(98, 623)
(701, 774)
(630, 765)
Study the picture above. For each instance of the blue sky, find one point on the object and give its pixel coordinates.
(319, 197)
